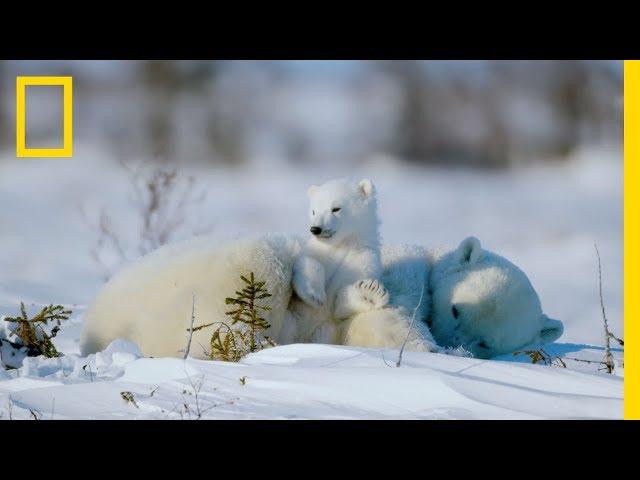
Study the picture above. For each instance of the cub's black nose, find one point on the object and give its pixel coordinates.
(316, 230)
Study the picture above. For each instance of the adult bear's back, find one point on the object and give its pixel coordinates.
(149, 302)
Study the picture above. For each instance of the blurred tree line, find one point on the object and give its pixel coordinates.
(479, 113)
(505, 113)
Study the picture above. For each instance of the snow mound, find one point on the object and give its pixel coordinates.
(305, 381)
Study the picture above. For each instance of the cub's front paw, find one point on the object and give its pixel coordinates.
(313, 297)
(373, 291)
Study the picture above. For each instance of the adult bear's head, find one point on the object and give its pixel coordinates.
(485, 303)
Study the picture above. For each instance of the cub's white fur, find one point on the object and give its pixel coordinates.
(338, 272)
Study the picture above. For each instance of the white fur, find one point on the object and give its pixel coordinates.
(498, 309)
(347, 291)
(339, 277)
(149, 302)
(405, 274)
(338, 272)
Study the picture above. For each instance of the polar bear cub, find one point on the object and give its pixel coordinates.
(338, 273)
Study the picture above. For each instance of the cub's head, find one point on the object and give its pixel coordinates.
(486, 304)
(340, 210)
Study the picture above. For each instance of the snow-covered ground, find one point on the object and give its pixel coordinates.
(543, 218)
(304, 381)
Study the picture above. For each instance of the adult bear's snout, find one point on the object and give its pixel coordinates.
(316, 230)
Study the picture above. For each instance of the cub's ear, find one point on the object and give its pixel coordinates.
(311, 191)
(366, 187)
(551, 330)
(469, 251)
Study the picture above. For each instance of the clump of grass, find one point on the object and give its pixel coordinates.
(543, 357)
(129, 397)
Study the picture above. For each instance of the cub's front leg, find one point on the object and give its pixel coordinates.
(359, 297)
(309, 281)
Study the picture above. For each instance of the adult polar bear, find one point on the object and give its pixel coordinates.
(484, 303)
(335, 275)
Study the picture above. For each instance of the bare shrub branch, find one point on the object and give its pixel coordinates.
(196, 387)
(162, 199)
(608, 361)
(191, 329)
(592, 362)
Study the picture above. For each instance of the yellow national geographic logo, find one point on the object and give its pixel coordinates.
(67, 117)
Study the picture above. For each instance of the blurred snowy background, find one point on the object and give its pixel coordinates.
(527, 156)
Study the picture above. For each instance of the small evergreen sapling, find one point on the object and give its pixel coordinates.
(248, 307)
(33, 334)
(229, 344)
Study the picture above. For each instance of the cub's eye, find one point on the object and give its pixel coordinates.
(455, 312)
(335, 210)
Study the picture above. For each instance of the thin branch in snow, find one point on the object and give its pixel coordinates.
(617, 339)
(193, 317)
(413, 319)
(195, 387)
(385, 360)
(608, 361)
(584, 360)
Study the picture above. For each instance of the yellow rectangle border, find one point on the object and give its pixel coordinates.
(631, 239)
(67, 117)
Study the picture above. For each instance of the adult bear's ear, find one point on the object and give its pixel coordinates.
(551, 329)
(366, 187)
(311, 191)
(469, 251)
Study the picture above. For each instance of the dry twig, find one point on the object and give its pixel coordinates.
(413, 319)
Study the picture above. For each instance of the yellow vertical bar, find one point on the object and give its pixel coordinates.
(20, 116)
(68, 117)
(631, 239)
